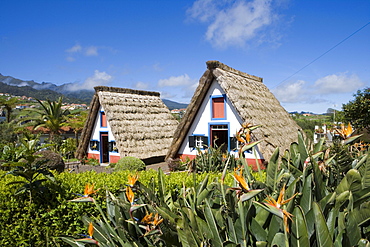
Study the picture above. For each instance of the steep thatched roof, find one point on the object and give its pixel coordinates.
(252, 100)
(141, 123)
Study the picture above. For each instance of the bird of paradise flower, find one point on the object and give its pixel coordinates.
(151, 224)
(275, 207)
(243, 191)
(132, 179)
(88, 192)
(89, 238)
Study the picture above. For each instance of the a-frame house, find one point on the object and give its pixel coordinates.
(225, 99)
(125, 122)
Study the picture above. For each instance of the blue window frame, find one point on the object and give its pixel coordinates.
(103, 120)
(218, 107)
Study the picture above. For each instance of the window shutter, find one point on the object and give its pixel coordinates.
(94, 145)
(191, 141)
(205, 141)
(218, 107)
(233, 143)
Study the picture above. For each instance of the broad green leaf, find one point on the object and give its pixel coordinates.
(250, 194)
(203, 228)
(354, 180)
(279, 240)
(339, 238)
(302, 147)
(322, 231)
(327, 200)
(274, 210)
(72, 242)
(216, 240)
(258, 232)
(341, 198)
(318, 146)
(299, 234)
(351, 139)
(272, 170)
(261, 215)
(274, 228)
(353, 231)
(231, 231)
(250, 145)
(161, 184)
(366, 173)
(306, 198)
(167, 214)
(320, 190)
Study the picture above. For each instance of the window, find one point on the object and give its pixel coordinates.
(103, 119)
(113, 147)
(218, 108)
(198, 141)
(94, 145)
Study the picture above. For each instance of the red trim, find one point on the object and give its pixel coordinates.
(251, 162)
(93, 156)
(113, 158)
(103, 120)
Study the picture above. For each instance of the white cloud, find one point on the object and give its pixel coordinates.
(91, 51)
(70, 59)
(233, 22)
(88, 51)
(75, 48)
(338, 83)
(174, 81)
(98, 79)
(291, 92)
(141, 85)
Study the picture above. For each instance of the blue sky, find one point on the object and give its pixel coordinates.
(163, 45)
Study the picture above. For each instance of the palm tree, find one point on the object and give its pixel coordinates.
(8, 104)
(50, 116)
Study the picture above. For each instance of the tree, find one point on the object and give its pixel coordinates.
(357, 111)
(8, 105)
(50, 115)
(77, 122)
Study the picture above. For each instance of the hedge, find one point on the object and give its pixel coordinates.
(38, 223)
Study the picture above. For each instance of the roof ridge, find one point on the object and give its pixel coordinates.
(125, 90)
(213, 64)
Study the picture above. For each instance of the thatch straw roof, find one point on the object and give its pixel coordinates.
(141, 123)
(252, 100)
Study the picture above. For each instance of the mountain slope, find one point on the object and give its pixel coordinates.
(47, 90)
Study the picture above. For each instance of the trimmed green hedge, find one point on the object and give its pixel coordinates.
(37, 223)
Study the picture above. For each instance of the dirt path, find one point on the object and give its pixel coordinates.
(83, 168)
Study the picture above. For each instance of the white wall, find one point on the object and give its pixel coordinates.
(200, 125)
(97, 129)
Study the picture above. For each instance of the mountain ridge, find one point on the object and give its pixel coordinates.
(48, 90)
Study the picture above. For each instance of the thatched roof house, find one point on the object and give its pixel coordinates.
(243, 99)
(125, 122)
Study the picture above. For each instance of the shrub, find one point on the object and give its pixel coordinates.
(56, 215)
(91, 162)
(129, 163)
(293, 207)
(50, 160)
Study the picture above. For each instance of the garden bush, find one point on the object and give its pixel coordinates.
(129, 163)
(38, 223)
(298, 204)
(50, 160)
